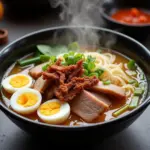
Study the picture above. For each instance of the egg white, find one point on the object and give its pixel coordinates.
(59, 117)
(21, 109)
(9, 88)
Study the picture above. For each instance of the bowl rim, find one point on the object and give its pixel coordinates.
(108, 17)
(115, 120)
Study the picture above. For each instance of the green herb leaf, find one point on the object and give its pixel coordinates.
(44, 49)
(52, 50)
(59, 49)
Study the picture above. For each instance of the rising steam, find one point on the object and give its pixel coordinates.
(81, 13)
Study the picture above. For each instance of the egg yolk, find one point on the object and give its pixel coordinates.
(49, 109)
(27, 99)
(19, 81)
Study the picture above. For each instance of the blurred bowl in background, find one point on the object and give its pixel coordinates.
(137, 31)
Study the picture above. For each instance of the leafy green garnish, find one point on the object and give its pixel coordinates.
(52, 50)
(44, 49)
(44, 68)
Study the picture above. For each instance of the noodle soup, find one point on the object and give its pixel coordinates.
(73, 85)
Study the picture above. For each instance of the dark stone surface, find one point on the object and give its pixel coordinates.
(136, 137)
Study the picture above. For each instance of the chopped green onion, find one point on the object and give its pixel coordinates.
(74, 46)
(91, 66)
(99, 71)
(53, 59)
(78, 57)
(65, 56)
(107, 82)
(71, 53)
(120, 111)
(86, 72)
(70, 60)
(85, 64)
(44, 68)
(94, 74)
(90, 58)
(136, 84)
(44, 49)
(29, 61)
(138, 92)
(44, 58)
(134, 102)
(131, 65)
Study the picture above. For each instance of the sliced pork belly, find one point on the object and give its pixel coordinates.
(110, 90)
(50, 91)
(89, 105)
(36, 71)
(40, 84)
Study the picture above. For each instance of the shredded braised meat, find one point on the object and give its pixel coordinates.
(68, 79)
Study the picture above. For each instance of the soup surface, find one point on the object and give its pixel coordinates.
(132, 16)
(104, 85)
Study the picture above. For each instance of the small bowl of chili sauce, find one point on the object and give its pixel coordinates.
(130, 19)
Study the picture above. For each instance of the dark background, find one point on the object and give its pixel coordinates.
(136, 137)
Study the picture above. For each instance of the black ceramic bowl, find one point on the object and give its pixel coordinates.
(138, 31)
(107, 38)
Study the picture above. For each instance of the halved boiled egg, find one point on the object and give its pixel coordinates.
(54, 111)
(14, 82)
(25, 101)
